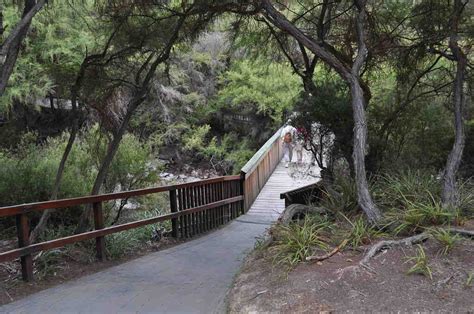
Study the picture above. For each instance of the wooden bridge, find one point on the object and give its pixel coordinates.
(194, 208)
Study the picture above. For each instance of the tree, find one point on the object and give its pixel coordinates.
(10, 47)
(137, 52)
(439, 38)
(449, 193)
(350, 71)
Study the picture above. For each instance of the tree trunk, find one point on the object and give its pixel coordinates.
(10, 48)
(352, 77)
(85, 219)
(41, 226)
(449, 193)
(359, 151)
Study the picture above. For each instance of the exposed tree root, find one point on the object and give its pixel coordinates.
(462, 232)
(375, 249)
(294, 210)
(327, 255)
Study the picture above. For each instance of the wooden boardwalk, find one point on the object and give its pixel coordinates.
(268, 204)
(193, 277)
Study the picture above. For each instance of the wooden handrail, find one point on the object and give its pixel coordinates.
(69, 202)
(253, 162)
(196, 207)
(259, 168)
(48, 245)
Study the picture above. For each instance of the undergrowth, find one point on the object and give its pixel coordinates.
(410, 202)
(446, 239)
(298, 240)
(421, 264)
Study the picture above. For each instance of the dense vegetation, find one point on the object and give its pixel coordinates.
(101, 96)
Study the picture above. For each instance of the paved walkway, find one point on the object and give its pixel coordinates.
(193, 277)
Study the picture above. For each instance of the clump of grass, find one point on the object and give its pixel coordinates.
(466, 199)
(47, 263)
(125, 242)
(418, 215)
(403, 189)
(341, 197)
(360, 233)
(295, 242)
(421, 264)
(447, 239)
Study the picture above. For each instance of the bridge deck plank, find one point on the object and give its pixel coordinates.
(268, 202)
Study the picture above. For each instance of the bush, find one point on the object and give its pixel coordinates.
(295, 242)
(342, 196)
(401, 190)
(28, 174)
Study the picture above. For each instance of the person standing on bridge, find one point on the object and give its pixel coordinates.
(288, 135)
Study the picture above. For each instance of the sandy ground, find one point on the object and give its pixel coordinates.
(333, 285)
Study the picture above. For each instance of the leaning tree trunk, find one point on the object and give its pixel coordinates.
(359, 151)
(352, 77)
(41, 226)
(358, 101)
(10, 48)
(449, 193)
(85, 218)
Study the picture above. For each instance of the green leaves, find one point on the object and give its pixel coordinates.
(258, 86)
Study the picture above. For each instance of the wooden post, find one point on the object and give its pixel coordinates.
(174, 209)
(242, 192)
(23, 232)
(99, 224)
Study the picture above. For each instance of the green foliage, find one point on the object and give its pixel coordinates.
(227, 155)
(341, 196)
(419, 215)
(421, 264)
(29, 174)
(60, 37)
(360, 233)
(446, 238)
(295, 242)
(401, 190)
(258, 87)
(196, 138)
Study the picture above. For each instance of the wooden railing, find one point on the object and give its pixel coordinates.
(195, 208)
(260, 167)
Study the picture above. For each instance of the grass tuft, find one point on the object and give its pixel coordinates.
(447, 239)
(421, 265)
(295, 242)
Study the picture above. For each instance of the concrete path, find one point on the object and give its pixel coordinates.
(193, 277)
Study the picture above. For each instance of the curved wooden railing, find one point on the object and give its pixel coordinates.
(194, 207)
(260, 167)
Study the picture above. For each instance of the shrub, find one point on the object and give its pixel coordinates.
(295, 242)
(361, 233)
(403, 189)
(28, 174)
(342, 196)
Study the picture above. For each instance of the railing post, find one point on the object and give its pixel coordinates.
(23, 232)
(242, 192)
(174, 209)
(99, 224)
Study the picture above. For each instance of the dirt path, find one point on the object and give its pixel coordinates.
(193, 277)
